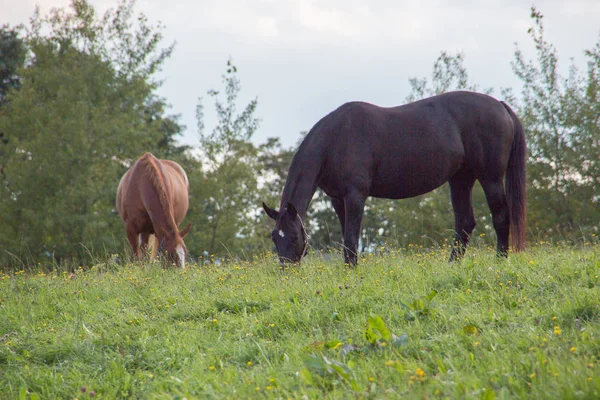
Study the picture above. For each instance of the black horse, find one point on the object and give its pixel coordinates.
(362, 150)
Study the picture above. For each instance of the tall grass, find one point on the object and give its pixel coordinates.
(404, 324)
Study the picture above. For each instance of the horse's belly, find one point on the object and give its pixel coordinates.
(411, 180)
(403, 189)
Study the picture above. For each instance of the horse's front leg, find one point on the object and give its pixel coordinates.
(354, 205)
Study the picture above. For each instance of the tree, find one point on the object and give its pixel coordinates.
(169, 127)
(226, 200)
(561, 120)
(585, 122)
(79, 118)
(12, 59)
(449, 73)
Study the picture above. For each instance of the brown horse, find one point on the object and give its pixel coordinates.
(152, 199)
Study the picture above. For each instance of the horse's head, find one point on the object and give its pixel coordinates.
(289, 235)
(173, 246)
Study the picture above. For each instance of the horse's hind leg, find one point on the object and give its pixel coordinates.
(496, 198)
(134, 239)
(354, 207)
(153, 244)
(143, 242)
(338, 206)
(461, 186)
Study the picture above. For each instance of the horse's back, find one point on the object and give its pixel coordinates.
(178, 172)
(409, 150)
(140, 178)
(467, 112)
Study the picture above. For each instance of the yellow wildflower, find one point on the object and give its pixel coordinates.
(557, 330)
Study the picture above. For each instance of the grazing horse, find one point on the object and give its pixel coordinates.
(152, 199)
(362, 150)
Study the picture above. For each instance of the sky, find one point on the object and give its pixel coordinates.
(303, 58)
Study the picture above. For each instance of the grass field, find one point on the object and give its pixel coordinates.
(404, 324)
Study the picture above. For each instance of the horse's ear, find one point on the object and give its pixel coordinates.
(292, 210)
(185, 230)
(270, 212)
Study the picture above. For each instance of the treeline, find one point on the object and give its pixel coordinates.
(78, 104)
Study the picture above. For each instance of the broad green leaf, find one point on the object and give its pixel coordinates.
(377, 323)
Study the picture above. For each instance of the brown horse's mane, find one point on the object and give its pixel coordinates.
(158, 181)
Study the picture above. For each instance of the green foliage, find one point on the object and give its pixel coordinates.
(235, 177)
(229, 189)
(378, 335)
(325, 373)
(169, 127)
(526, 327)
(12, 59)
(560, 118)
(231, 136)
(419, 307)
(376, 330)
(449, 73)
(275, 162)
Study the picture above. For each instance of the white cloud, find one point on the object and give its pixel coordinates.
(267, 27)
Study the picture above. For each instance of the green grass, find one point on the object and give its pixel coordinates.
(528, 327)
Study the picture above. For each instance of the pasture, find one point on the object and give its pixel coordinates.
(403, 324)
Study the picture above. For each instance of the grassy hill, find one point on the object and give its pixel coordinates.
(404, 324)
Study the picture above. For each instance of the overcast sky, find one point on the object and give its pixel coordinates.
(304, 58)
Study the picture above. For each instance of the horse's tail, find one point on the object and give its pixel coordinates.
(153, 245)
(516, 183)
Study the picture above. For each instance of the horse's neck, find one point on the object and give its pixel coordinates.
(301, 183)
